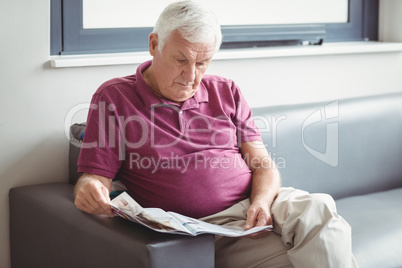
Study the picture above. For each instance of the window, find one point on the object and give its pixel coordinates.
(92, 26)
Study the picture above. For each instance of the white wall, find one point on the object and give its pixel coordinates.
(35, 98)
(390, 20)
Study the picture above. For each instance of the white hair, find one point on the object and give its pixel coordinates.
(195, 23)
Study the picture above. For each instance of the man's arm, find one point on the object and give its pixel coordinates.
(92, 194)
(266, 182)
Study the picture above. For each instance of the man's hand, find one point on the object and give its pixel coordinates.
(92, 194)
(258, 214)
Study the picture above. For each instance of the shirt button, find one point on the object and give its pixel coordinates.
(181, 111)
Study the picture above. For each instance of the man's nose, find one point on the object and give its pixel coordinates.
(188, 72)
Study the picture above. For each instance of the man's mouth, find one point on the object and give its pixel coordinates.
(187, 85)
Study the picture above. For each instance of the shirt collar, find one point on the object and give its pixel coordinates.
(147, 96)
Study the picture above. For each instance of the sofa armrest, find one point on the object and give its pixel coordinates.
(47, 230)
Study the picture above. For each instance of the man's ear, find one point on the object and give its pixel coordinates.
(153, 43)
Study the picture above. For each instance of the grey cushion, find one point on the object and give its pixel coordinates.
(376, 221)
(76, 136)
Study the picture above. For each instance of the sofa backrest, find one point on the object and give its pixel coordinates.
(345, 147)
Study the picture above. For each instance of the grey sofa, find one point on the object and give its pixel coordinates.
(351, 149)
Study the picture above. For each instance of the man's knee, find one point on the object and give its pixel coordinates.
(323, 207)
(309, 210)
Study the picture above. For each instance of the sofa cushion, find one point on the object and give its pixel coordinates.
(376, 227)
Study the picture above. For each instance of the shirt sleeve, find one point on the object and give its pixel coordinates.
(101, 152)
(247, 130)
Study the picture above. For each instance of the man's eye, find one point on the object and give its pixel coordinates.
(181, 61)
(200, 64)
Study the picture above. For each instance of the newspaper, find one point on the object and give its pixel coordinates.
(170, 222)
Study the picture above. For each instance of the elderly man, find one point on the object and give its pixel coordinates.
(186, 142)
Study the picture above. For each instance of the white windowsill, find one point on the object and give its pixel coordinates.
(229, 54)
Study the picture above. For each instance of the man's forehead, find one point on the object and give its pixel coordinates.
(201, 55)
(184, 47)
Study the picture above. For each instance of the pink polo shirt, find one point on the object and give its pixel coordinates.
(184, 159)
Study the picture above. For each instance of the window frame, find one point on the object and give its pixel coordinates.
(69, 38)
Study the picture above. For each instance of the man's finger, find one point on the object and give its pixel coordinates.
(108, 210)
(251, 219)
(91, 205)
(98, 196)
(94, 199)
(101, 200)
(262, 219)
(86, 206)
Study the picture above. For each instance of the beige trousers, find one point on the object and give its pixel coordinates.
(307, 233)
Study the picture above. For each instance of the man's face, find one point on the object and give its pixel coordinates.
(177, 70)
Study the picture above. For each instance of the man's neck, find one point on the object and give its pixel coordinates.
(151, 82)
(148, 78)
